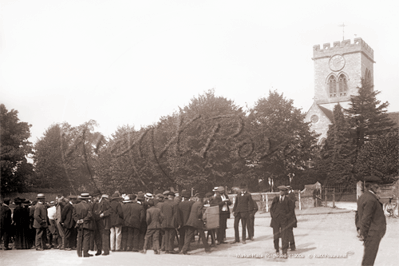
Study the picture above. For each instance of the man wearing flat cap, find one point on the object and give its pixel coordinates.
(281, 212)
(40, 222)
(243, 206)
(370, 220)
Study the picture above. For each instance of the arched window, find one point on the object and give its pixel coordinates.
(332, 86)
(343, 86)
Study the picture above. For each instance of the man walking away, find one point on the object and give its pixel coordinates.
(40, 222)
(116, 222)
(154, 220)
(371, 220)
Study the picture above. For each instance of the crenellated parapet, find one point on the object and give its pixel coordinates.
(344, 47)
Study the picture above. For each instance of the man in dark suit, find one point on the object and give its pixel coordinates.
(243, 206)
(5, 223)
(169, 210)
(154, 220)
(40, 222)
(183, 212)
(83, 216)
(293, 222)
(67, 223)
(195, 222)
(133, 215)
(281, 212)
(371, 222)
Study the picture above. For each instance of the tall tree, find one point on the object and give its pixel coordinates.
(64, 157)
(15, 148)
(283, 141)
(380, 157)
(368, 116)
(339, 150)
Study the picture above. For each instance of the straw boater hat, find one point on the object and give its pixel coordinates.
(165, 193)
(84, 196)
(40, 196)
(148, 196)
(215, 188)
(220, 189)
(282, 188)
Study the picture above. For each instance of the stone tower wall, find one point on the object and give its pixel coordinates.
(358, 57)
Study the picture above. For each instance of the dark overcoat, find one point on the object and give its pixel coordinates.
(169, 210)
(183, 212)
(370, 214)
(5, 217)
(195, 218)
(40, 216)
(284, 212)
(133, 214)
(243, 205)
(67, 216)
(117, 214)
(83, 210)
(154, 218)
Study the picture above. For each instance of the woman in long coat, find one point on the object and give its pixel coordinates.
(21, 221)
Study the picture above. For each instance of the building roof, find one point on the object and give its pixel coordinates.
(327, 112)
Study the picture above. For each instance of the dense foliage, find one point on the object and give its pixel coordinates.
(15, 148)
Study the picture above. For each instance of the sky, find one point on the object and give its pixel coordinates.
(132, 62)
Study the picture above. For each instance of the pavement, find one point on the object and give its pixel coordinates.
(324, 236)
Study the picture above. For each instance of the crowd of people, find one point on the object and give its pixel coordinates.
(127, 222)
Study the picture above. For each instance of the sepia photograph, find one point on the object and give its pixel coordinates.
(186, 132)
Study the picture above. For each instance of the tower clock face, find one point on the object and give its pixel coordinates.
(337, 62)
(314, 119)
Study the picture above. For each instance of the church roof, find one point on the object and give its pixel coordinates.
(394, 117)
(327, 112)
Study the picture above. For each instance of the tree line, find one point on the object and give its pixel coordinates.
(210, 142)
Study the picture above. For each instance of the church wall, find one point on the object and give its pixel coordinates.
(321, 126)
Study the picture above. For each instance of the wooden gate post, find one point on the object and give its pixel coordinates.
(333, 197)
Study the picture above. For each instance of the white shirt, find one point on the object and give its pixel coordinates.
(51, 212)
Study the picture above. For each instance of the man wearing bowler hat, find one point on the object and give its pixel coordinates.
(82, 214)
(281, 211)
(40, 222)
(370, 219)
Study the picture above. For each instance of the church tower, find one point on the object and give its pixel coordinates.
(338, 71)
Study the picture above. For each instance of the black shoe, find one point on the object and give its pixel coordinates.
(235, 242)
(87, 255)
(105, 254)
(293, 248)
(207, 250)
(143, 251)
(277, 252)
(156, 252)
(98, 253)
(7, 248)
(223, 242)
(244, 242)
(251, 238)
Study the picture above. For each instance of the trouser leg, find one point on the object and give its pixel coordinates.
(276, 236)
(86, 242)
(182, 232)
(188, 235)
(39, 238)
(79, 242)
(136, 241)
(236, 232)
(61, 233)
(118, 240)
(167, 236)
(105, 241)
(291, 238)
(112, 238)
(204, 240)
(66, 239)
(155, 240)
(284, 237)
(371, 246)
(244, 228)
